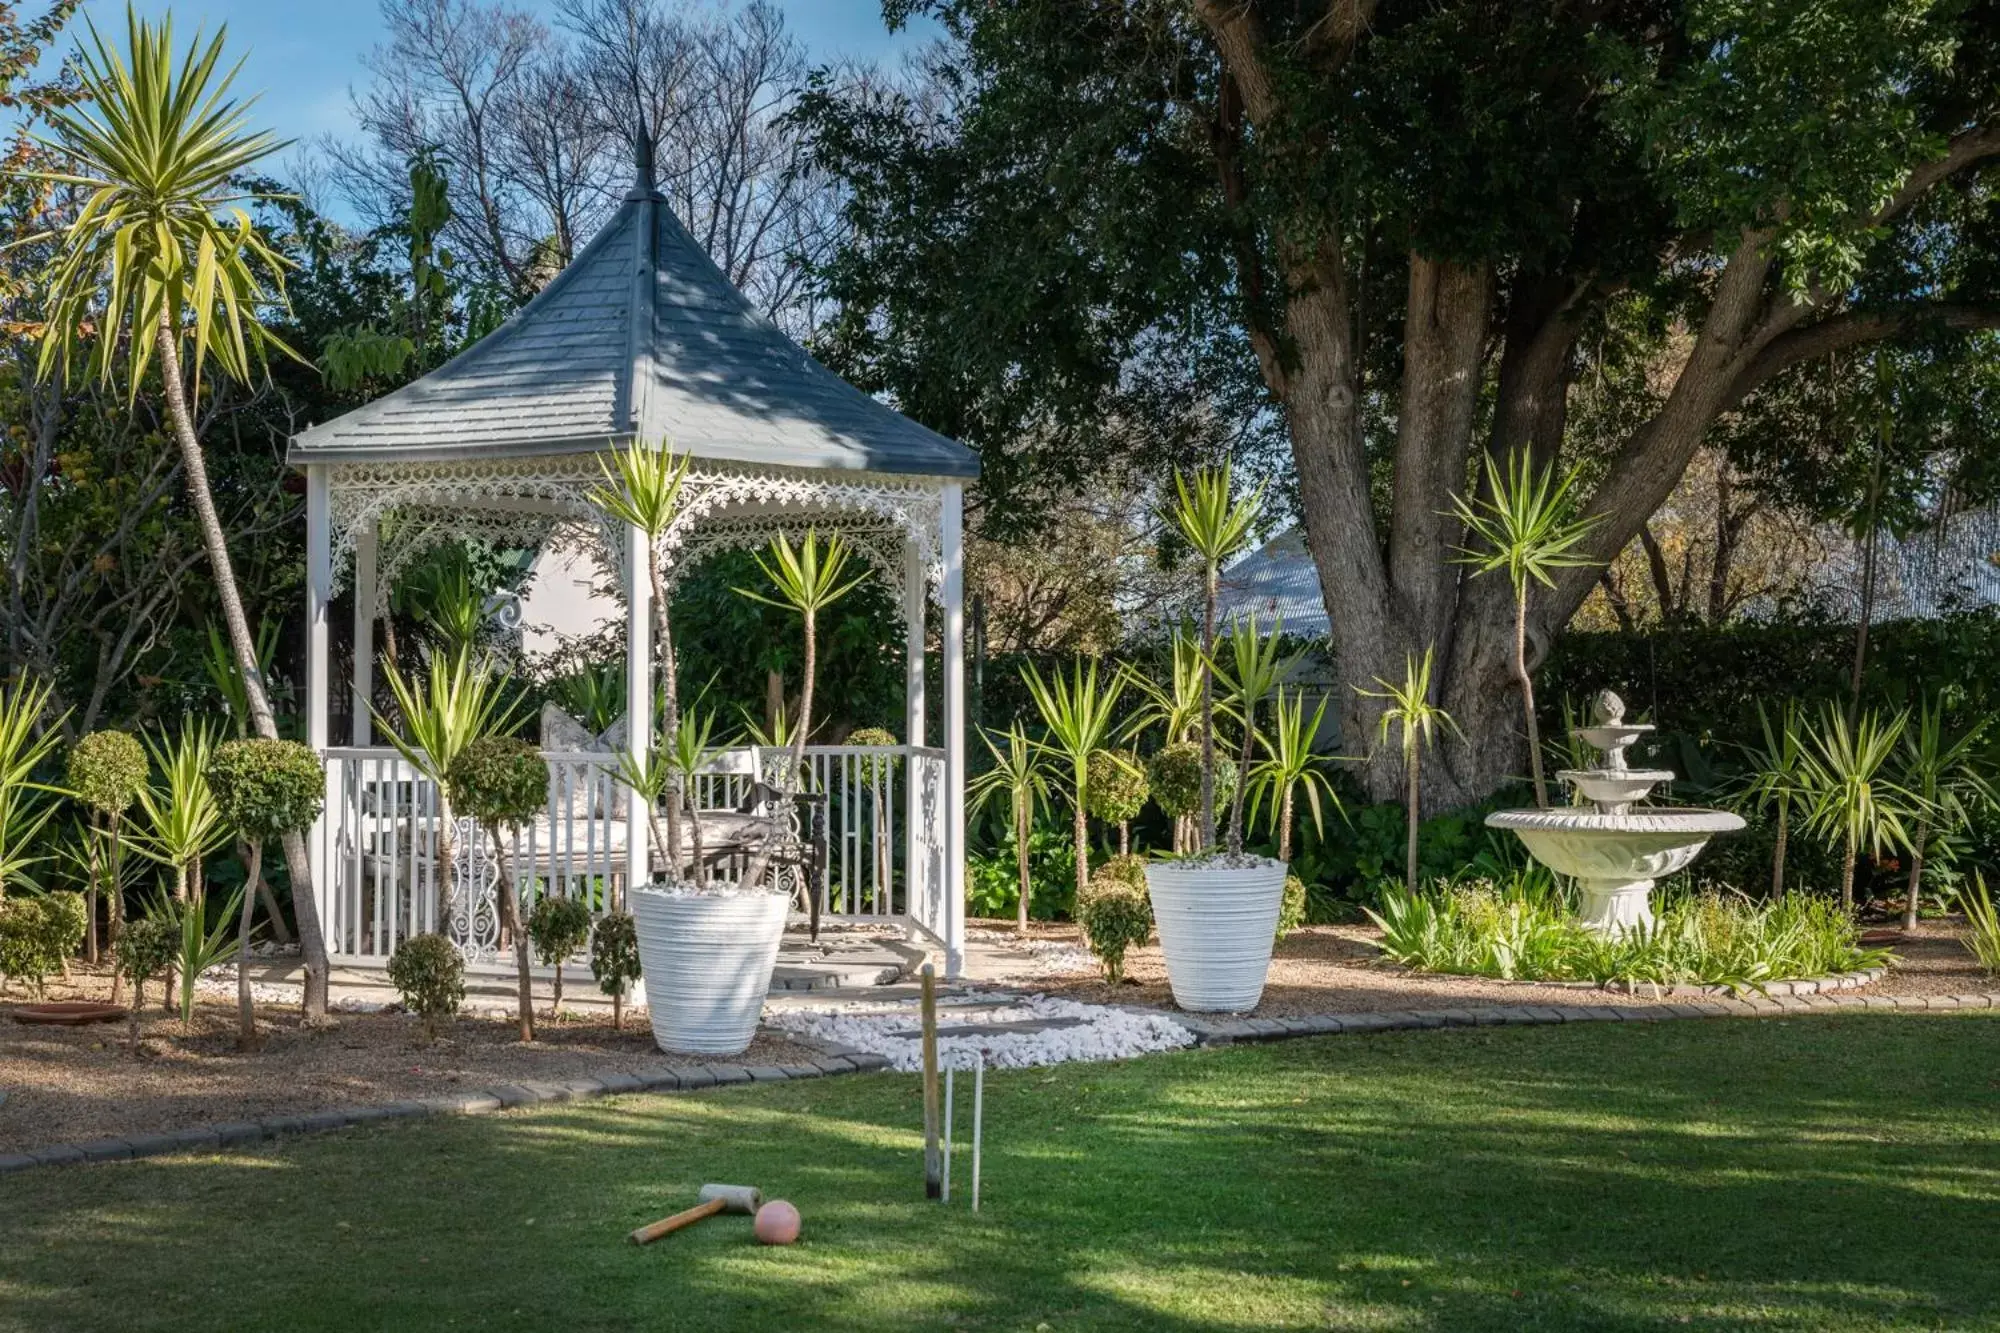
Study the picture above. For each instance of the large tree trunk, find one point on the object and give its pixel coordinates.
(194, 465)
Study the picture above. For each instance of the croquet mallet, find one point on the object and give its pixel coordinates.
(714, 1199)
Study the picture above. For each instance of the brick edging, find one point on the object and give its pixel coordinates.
(1228, 1030)
(198, 1138)
(1836, 981)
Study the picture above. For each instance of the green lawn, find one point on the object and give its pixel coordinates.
(1817, 1173)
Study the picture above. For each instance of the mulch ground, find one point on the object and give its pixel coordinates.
(72, 1084)
(1337, 969)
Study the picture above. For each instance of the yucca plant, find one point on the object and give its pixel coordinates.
(807, 579)
(1258, 663)
(1217, 523)
(1176, 707)
(1291, 767)
(459, 700)
(1016, 778)
(1852, 798)
(1778, 782)
(201, 945)
(1077, 713)
(642, 490)
(1982, 937)
(1418, 722)
(1938, 771)
(1525, 528)
(28, 740)
(181, 822)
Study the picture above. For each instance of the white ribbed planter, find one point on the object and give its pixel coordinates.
(1217, 925)
(708, 960)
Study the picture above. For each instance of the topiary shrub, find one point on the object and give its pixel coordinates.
(1113, 921)
(1175, 774)
(614, 961)
(1292, 907)
(1118, 788)
(106, 770)
(37, 935)
(503, 783)
(264, 789)
(1120, 874)
(558, 927)
(875, 766)
(142, 949)
(430, 976)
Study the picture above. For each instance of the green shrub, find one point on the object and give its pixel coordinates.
(1292, 907)
(1982, 936)
(1175, 776)
(558, 927)
(38, 933)
(1115, 920)
(872, 769)
(992, 880)
(1523, 932)
(267, 788)
(430, 976)
(1117, 785)
(614, 960)
(106, 769)
(143, 948)
(499, 780)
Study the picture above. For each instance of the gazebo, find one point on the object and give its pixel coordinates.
(640, 337)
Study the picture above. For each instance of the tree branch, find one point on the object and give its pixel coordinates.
(1852, 329)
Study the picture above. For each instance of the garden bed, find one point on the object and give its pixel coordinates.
(1338, 969)
(74, 1084)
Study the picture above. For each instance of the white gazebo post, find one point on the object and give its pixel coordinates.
(319, 654)
(952, 547)
(915, 588)
(638, 702)
(366, 549)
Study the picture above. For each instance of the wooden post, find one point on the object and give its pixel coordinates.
(933, 1158)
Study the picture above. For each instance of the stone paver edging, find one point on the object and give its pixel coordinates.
(207, 1138)
(1225, 1030)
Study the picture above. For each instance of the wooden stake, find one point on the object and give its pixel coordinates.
(933, 1159)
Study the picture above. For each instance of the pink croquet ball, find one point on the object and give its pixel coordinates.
(777, 1223)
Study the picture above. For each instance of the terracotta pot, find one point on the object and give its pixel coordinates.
(68, 1013)
(708, 960)
(1217, 925)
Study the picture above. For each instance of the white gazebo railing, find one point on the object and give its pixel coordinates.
(879, 858)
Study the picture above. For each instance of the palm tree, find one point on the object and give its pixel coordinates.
(1290, 766)
(1525, 525)
(163, 256)
(1418, 720)
(1851, 796)
(1078, 716)
(1016, 777)
(1258, 669)
(1777, 781)
(1938, 773)
(642, 490)
(1216, 525)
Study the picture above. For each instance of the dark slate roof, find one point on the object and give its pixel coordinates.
(700, 367)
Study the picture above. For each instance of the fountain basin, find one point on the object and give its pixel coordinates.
(1615, 789)
(1615, 857)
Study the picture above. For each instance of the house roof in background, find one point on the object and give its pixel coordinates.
(1278, 578)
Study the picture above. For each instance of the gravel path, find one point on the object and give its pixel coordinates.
(71, 1084)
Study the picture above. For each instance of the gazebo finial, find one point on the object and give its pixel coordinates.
(644, 185)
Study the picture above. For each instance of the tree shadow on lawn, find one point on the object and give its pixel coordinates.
(1820, 1173)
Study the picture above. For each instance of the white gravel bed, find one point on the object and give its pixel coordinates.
(1102, 1034)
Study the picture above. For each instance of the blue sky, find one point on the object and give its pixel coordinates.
(303, 55)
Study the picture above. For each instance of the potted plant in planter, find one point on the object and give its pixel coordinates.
(707, 950)
(1216, 909)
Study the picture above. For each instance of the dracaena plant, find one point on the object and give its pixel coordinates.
(1016, 778)
(1526, 527)
(1417, 722)
(1257, 663)
(641, 489)
(1937, 768)
(1777, 781)
(1853, 800)
(459, 700)
(1291, 768)
(1077, 713)
(1216, 523)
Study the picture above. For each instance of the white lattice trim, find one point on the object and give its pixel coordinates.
(528, 501)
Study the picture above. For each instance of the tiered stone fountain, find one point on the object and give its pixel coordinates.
(1613, 851)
